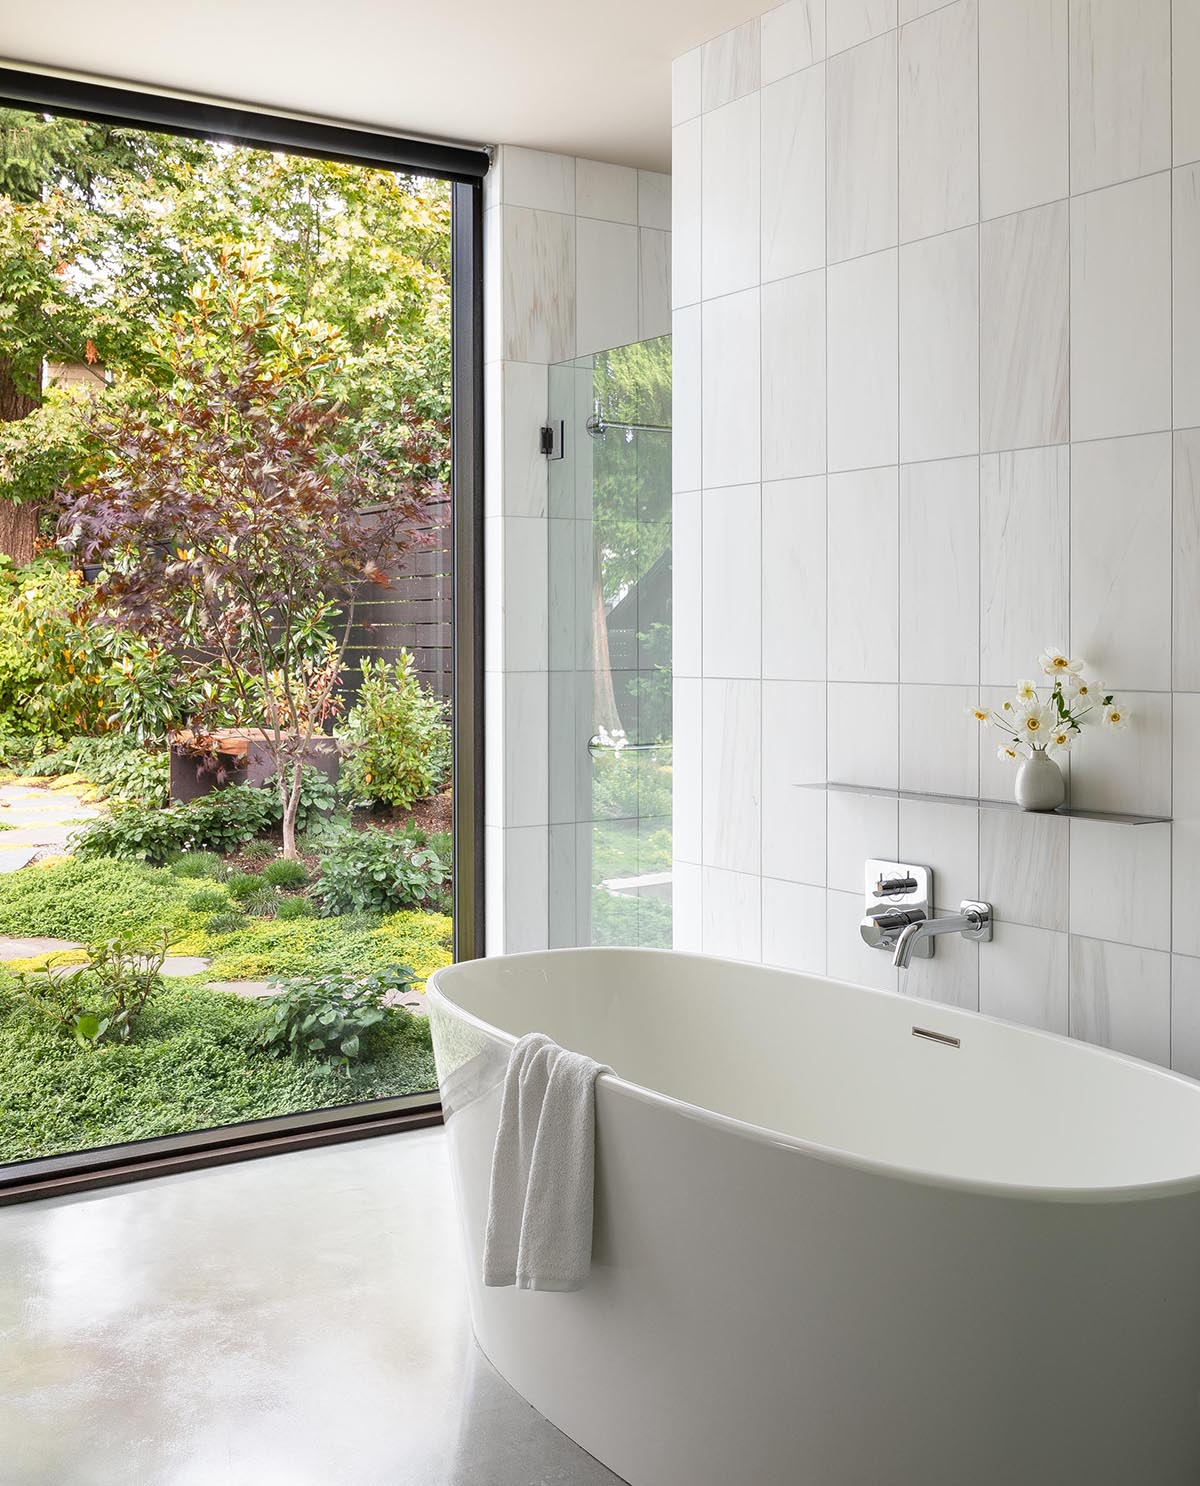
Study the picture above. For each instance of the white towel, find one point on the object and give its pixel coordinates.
(539, 1226)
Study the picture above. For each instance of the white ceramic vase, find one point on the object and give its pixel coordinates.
(1039, 783)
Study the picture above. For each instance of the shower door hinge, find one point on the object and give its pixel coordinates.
(553, 439)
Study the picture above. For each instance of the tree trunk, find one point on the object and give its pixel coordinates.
(291, 808)
(18, 524)
(604, 701)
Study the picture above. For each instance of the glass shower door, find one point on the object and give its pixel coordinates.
(610, 647)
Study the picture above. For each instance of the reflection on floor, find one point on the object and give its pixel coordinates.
(294, 1321)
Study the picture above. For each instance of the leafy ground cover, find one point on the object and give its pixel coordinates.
(193, 1063)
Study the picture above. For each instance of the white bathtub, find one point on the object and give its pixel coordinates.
(831, 1253)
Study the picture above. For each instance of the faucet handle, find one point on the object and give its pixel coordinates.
(882, 926)
(891, 887)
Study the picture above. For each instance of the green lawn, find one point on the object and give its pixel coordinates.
(192, 1063)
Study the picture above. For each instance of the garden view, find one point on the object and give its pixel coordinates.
(225, 799)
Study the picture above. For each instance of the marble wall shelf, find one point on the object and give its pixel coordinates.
(981, 804)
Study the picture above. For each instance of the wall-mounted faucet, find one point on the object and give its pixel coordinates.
(973, 921)
(899, 913)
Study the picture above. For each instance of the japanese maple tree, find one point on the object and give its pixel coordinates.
(242, 502)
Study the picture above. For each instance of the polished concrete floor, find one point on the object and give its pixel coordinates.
(294, 1321)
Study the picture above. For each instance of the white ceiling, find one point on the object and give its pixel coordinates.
(585, 79)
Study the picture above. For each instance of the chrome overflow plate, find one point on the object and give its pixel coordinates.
(897, 894)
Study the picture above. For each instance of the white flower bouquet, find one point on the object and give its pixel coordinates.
(1041, 723)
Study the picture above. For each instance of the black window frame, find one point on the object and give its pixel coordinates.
(464, 167)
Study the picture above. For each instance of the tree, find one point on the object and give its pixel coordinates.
(238, 512)
(103, 232)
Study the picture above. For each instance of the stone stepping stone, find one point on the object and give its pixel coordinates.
(250, 989)
(179, 965)
(26, 949)
(13, 858)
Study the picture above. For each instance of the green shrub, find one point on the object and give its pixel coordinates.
(227, 922)
(121, 769)
(191, 1063)
(208, 900)
(318, 797)
(88, 901)
(242, 885)
(357, 943)
(263, 902)
(259, 851)
(402, 739)
(285, 873)
(331, 1017)
(102, 998)
(374, 871)
(294, 908)
(218, 822)
(198, 864)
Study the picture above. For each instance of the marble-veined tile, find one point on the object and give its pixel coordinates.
(793, 376)
(687, 933)
(654, 283)
(1023, 104)
(731, 402)
(654, 200)
(729, 206)
(861, 142)
(687, 583)
(1130, 772)
(732, 565)
(533, 178)
(847, 957)
(685, 213)
(792, 36)
(685, 86)
(1185, 830)
(793, 926)
(793, 754)
(607, 287)
(1185, 88)
(850, 22)
(863, 585)
(939, 121)
(1025, 342)
(606, 191)
(730, 65)
(793, 174)
(1120, 90)
(1023, 866)
(731, 914)
(1121, 559)
(1023, 977)
(539, 285)
(732, 766)
(1121, 309)
(860, 828)
(1024, 546)
(950, 978)
(1121, 882)
(863, 734)
(686, 382)
(1185, 303)
(939, 346)
(1121, 998)
(939, 745)
(793, 579)
(1185, 1015)
(862, 373)
(687, 779)
(939, 571)
(1186, 540)
(944, 837)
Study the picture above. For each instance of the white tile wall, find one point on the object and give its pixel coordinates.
(861, 141)
(729, 195)
(556, 284)
(980, 251)
(939, 121)
(1024, 125)
(730, 65)
(1121, 309)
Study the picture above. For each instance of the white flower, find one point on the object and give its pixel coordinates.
(981, 715)
(1011, 753)
(1116, 717)
(1027, 693)
(1056, 662)
(1035, 725)
(1061, 740)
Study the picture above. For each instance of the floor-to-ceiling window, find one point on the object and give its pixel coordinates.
(238, 630)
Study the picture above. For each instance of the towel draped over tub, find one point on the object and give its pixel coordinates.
(539, 1224)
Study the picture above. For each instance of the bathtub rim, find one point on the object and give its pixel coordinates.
(836, 1155)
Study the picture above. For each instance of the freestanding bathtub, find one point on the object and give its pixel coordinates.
(832, 1249)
